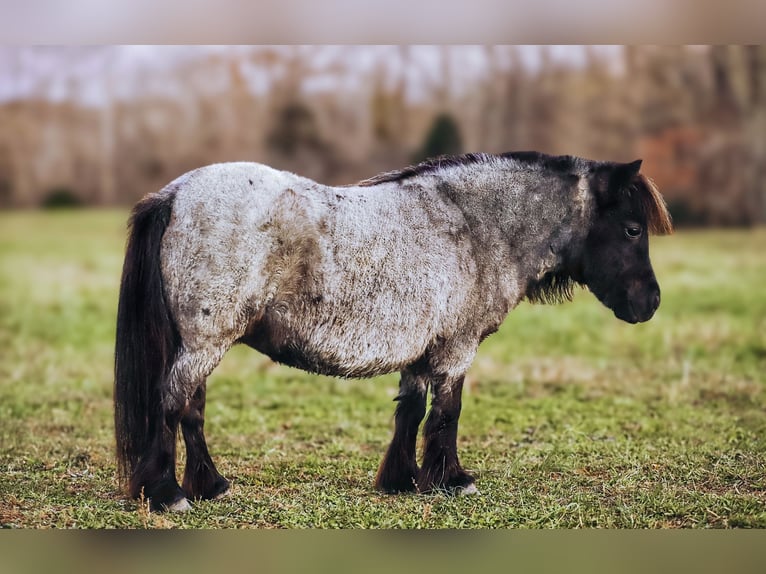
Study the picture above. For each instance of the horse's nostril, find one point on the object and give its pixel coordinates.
(656, 301)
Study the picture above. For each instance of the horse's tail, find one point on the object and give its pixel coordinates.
(147, 339)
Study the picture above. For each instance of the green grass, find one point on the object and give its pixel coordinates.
(571, 418)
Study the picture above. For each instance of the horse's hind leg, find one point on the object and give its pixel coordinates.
(155, 475)
(441, 468)
(399, 469)
(201, 479)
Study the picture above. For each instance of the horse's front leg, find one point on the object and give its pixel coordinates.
(399, 469)
(441, 468)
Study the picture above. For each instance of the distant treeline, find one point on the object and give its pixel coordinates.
(696, 115)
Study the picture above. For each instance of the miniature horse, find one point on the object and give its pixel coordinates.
(407, 271)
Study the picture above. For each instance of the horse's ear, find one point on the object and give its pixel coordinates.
(624, 173)
(608, 178)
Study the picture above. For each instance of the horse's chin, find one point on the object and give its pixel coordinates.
(628, 318)
(624, 308)
(620, 307)
(628, 314)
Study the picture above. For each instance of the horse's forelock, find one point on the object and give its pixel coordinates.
(653, 205)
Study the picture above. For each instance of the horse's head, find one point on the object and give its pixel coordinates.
(615, 263)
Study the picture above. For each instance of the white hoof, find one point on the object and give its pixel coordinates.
(468, 490)
(179, 506)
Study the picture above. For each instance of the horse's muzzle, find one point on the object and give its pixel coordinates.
(640, 307)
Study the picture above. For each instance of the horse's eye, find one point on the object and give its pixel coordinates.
(633, 231)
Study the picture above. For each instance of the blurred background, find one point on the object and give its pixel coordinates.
(103, 126)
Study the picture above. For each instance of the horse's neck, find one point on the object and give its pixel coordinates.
(536, 225)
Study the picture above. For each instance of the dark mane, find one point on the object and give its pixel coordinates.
(429, 165)
(564, 163)
(557, 163)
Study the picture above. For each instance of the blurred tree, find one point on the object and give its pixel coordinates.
(388, 106)
(546, 106)
(6, 177)
(107, 185)
(755, 57)
(443, 138)
(755, 131)
(725, 107)
(511, 101)
(294, 140)
(499, 119)
(61, 198)
(294, 127)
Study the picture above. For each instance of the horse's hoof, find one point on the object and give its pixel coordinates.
(223, 494)
(468, 490)
(221, 488)
(180, 505)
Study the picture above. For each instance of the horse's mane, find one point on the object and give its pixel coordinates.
(429, 165)
(650, 201)
(562, 163)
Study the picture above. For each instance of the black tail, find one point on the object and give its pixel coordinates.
(147, 339)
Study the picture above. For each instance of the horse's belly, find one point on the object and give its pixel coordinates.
(336, 346)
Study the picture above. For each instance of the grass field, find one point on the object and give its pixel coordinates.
(571, 418)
